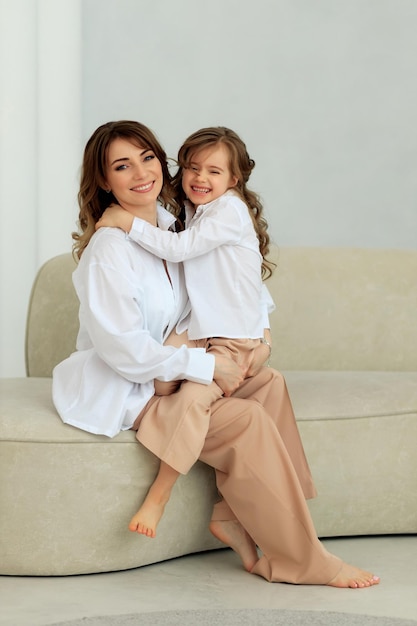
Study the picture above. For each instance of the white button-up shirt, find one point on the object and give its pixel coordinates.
(222, 265)
(128, 306)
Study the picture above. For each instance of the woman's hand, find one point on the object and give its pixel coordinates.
(227, 374)
(116, 217)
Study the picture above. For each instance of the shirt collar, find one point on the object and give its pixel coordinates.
(190, 211)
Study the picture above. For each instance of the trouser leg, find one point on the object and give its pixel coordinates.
(268, 388)
(257, 479)
(174, 427)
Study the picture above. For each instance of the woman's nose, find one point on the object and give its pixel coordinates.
(138, 171)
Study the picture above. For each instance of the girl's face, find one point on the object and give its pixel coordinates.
(134, 175)
(208, 175)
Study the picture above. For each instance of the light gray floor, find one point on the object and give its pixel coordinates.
(216, 580)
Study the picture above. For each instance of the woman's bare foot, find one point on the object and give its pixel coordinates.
(353, 577)
(232, 533)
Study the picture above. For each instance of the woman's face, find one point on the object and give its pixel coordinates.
(134, 175)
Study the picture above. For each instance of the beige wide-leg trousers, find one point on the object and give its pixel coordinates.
(252, 442)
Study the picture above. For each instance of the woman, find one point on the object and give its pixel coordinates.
(129, 302)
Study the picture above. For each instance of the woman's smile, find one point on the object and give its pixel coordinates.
(134, 175)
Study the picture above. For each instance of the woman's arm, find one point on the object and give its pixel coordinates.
(114, 316)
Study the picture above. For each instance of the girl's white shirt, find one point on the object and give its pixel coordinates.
(222, 265)
(128, 306)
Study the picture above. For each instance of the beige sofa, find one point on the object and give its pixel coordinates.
(345, 335)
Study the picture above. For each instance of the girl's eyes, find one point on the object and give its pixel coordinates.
(195, 169)
(120, 167)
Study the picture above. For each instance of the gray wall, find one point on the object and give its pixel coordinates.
(324, 93)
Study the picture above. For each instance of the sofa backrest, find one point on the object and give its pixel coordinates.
(337, 309)
(345, 309)
(52, 321)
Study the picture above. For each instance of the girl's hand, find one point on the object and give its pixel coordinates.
(116, 217)
(261, 355)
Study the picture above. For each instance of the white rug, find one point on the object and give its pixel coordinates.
(243, 617)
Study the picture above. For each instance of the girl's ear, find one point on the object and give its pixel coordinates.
(234, 181)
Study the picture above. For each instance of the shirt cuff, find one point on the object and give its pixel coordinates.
(201, 366)
(138, 226)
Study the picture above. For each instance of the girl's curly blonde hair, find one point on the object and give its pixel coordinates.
(241, 166)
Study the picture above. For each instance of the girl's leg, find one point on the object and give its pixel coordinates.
(174, 427)
(146, 519)
(257, 479)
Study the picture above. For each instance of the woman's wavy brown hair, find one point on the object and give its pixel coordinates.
(241, 166)
(92, 197)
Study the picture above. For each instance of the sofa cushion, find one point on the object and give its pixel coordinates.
(348, 395)
(66, 496)
(359, 431)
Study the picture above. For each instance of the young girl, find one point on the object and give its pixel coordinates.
(223, 250)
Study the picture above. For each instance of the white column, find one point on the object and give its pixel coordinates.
(59, 123)
(40, 132)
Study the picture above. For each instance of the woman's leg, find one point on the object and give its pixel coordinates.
(257, 479)
(268, 388)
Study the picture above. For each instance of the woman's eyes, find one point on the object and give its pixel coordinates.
(123, 166)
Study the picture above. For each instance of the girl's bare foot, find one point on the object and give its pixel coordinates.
(353, 577)
(232, 533)
(146, 519)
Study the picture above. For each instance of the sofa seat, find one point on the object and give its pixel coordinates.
(359, 431)
(67, 496)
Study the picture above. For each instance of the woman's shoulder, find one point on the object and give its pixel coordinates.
(106, 246)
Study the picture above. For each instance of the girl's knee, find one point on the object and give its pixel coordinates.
(271, 375)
